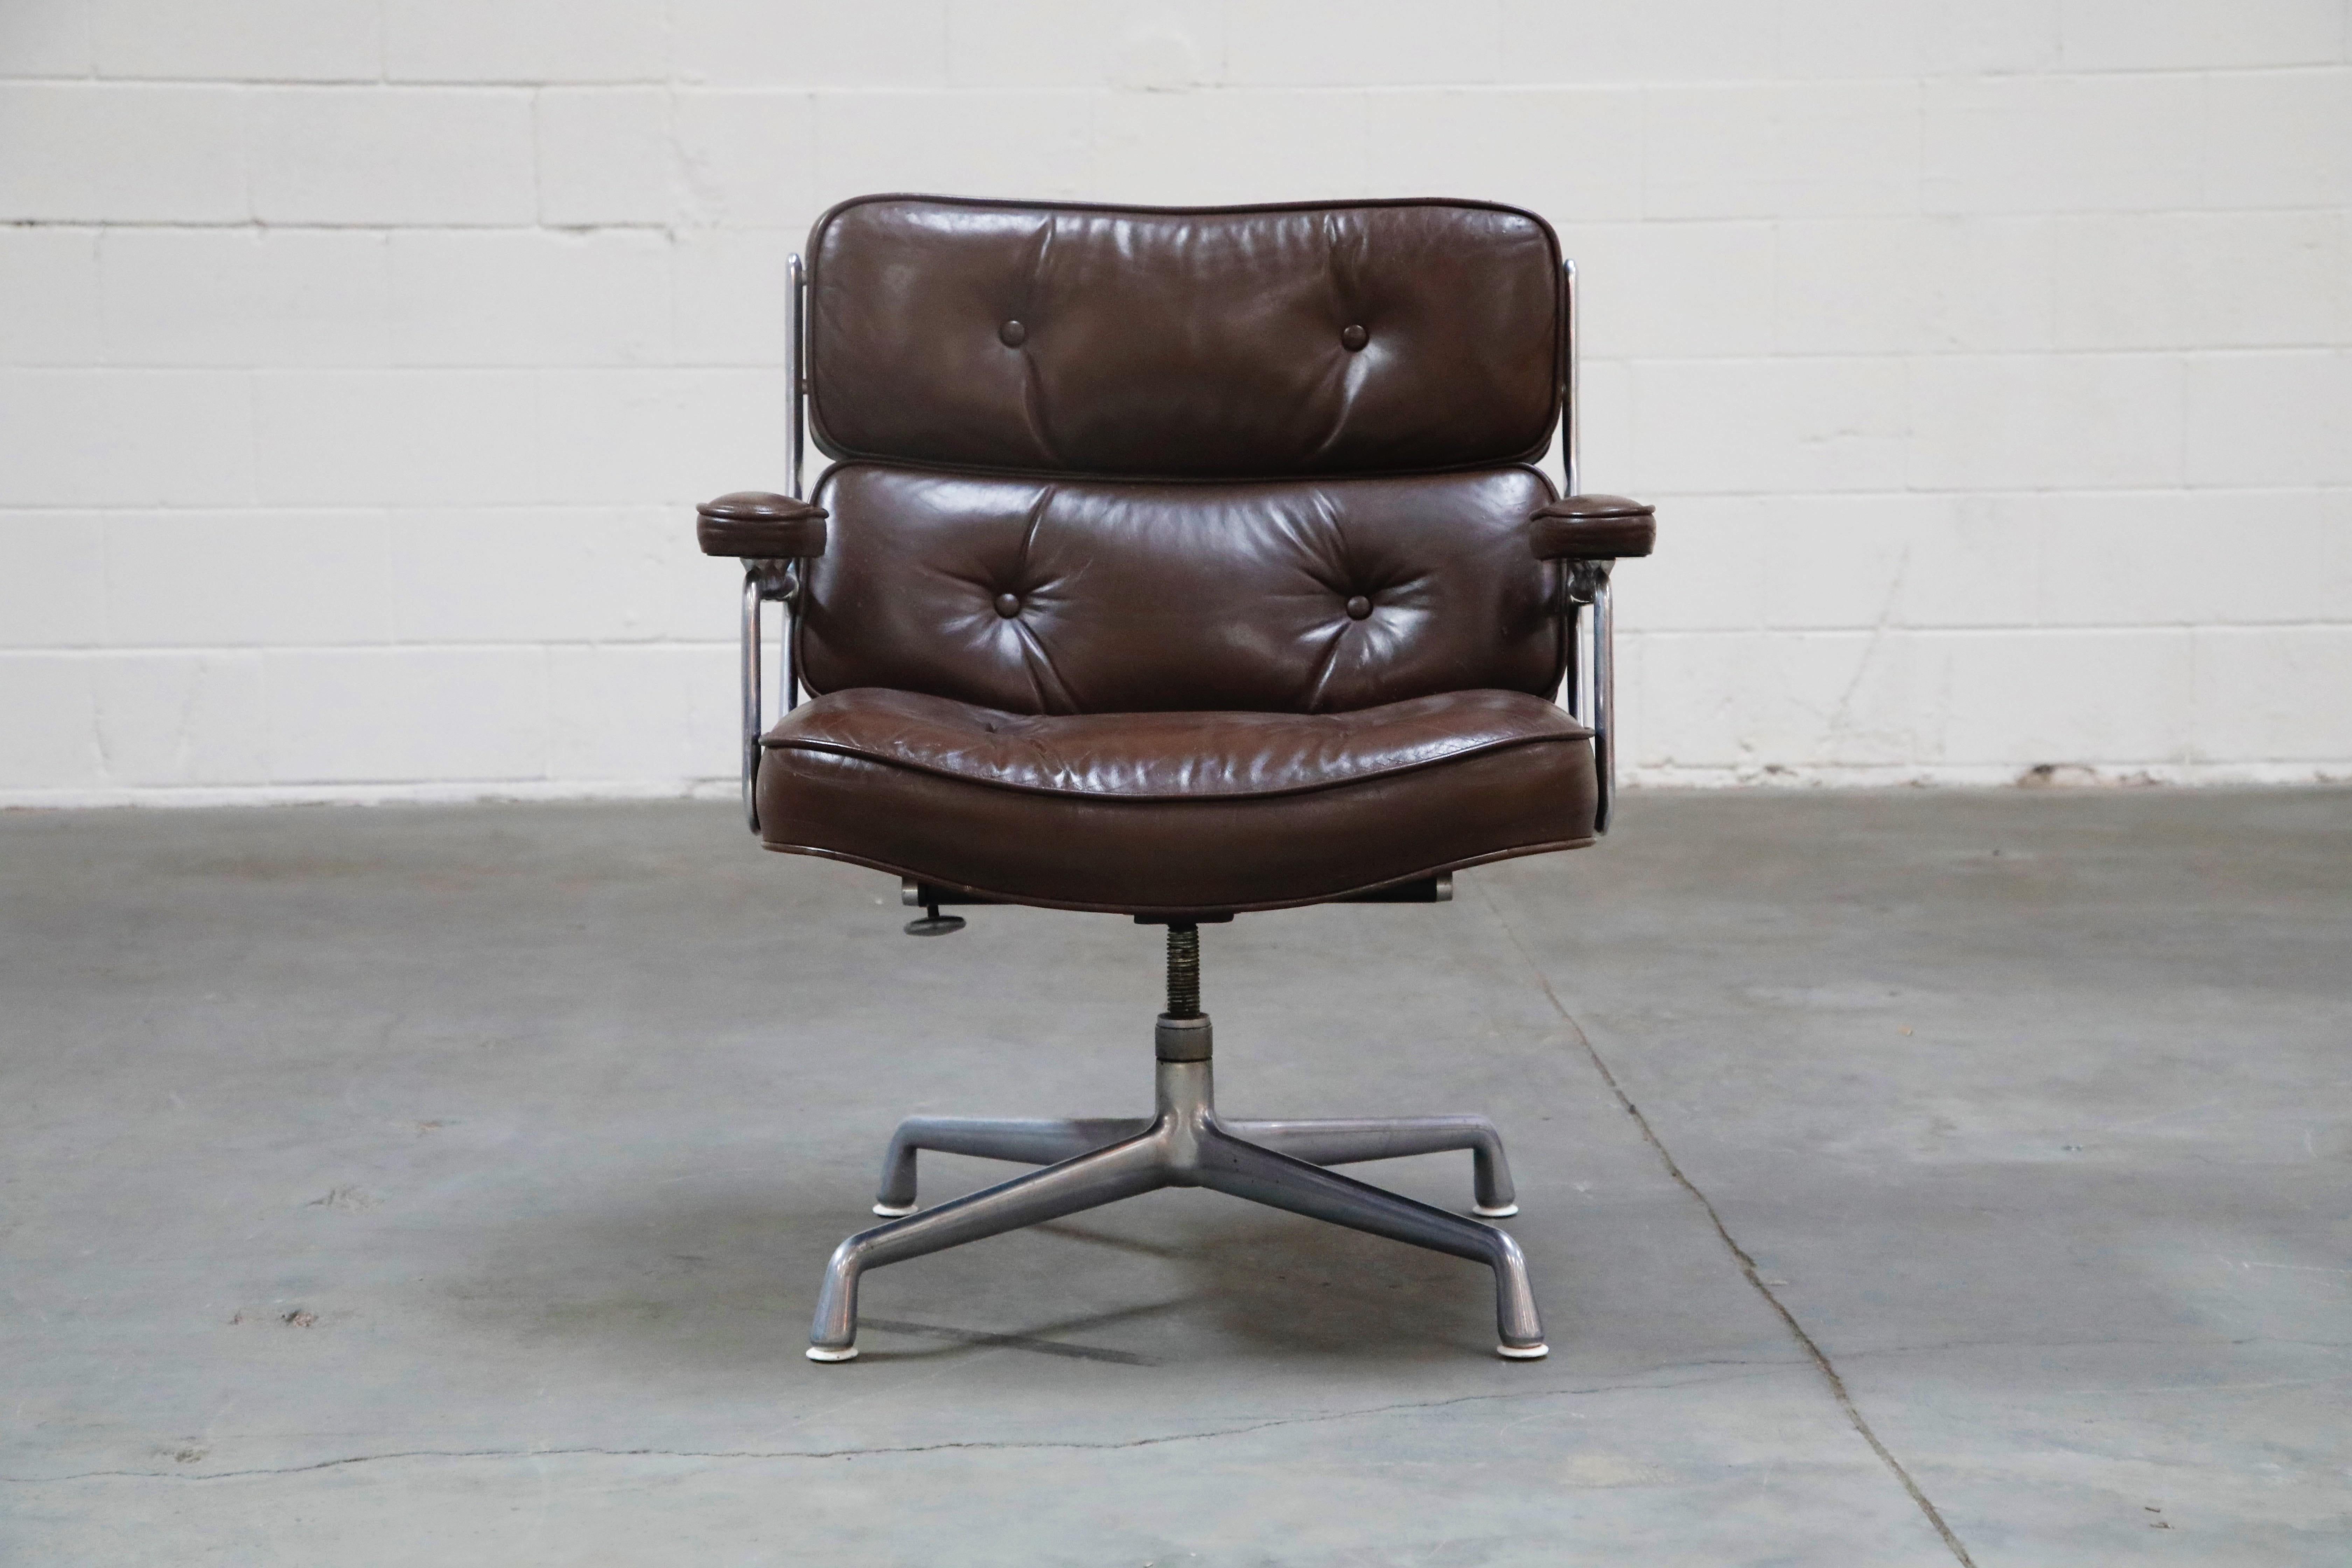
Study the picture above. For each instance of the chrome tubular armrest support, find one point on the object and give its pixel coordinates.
(1586, 582)
(777, 580)
(796, 374)
(1591, 683)
(1572, 453)
(764, 581)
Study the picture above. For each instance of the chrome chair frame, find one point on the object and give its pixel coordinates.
(1588, 683)
(1185, 1144)
(776, 582)
(1090, 1161)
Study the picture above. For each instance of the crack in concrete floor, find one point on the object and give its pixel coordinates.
(1155, 1440)
(1754, 1276)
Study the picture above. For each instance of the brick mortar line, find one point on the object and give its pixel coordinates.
(678, 644)
(1677, 498)
(519, 645)
(1572, 226)
(468, 644)
(2187, 352)
(1791, 82)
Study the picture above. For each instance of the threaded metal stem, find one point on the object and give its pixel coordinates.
(1183, 971)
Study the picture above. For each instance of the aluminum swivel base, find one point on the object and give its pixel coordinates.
(1092, 1162)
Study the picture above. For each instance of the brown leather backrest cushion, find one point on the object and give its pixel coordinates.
(1239, 343)
(1043, 596)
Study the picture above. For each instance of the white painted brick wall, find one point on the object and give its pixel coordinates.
(359, 360)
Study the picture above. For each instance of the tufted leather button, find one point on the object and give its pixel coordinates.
(1008, 605)
(1359, 607)
(1012, 334)
(1353, 338)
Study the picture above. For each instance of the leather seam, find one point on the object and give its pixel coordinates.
(770, 742)
(1069, 476)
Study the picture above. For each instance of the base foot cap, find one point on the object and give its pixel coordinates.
(846, 1353)
(1508, 1352)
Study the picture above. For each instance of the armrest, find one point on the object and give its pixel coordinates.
(757, 526)
(1593, 528)
(1589, 532)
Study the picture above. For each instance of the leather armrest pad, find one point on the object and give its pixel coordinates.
(1593, 528)
(757, 526)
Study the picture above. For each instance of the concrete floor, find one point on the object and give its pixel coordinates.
(451, 1186)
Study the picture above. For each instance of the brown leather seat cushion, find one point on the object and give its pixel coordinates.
(1165, 813)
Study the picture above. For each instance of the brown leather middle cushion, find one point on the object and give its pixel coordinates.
(1149, 812)
(1366, 337)
(1310, 595)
